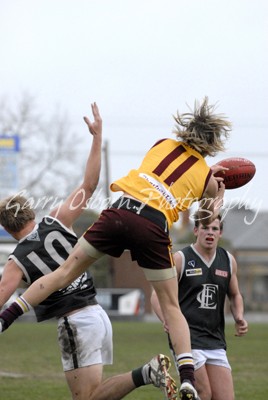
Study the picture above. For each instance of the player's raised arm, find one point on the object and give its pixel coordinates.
(77, 200)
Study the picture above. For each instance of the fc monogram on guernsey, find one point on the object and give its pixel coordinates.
(207, 297)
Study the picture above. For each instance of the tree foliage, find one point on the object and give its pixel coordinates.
(49, 149)
(51, 162)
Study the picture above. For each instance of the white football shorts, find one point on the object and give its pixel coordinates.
(85, 338)
(213, 357)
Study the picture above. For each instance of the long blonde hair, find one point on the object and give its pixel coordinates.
(203, 130)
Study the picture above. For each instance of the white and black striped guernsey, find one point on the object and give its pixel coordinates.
(202, 291)
(43, 251)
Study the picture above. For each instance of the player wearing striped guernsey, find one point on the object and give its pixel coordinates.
(41, 248)
(84, 329)
(140, 224)
(170, 178)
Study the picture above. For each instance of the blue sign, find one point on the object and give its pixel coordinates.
(9, 169)
(9, 143)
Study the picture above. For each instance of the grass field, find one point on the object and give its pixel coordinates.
(30, 366)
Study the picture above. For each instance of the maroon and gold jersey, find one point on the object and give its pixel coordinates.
(170, 178)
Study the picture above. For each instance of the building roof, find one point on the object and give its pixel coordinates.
(246, 229)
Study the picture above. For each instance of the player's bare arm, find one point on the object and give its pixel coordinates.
(212, 200)
(10, 281)
(236, 303)
(73, 206)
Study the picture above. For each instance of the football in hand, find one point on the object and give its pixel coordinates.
(240, 172)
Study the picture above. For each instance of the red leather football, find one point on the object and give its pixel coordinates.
(240, 172)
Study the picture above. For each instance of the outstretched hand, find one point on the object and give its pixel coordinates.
(95, 127)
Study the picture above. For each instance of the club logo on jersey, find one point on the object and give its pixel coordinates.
(194, 271)
(191, 263)
(219, 272)
(208, 297)
(34, 237)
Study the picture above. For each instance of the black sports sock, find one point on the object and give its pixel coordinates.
(138, 377)
(187, 373)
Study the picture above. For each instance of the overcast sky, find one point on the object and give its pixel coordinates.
(141, 61)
